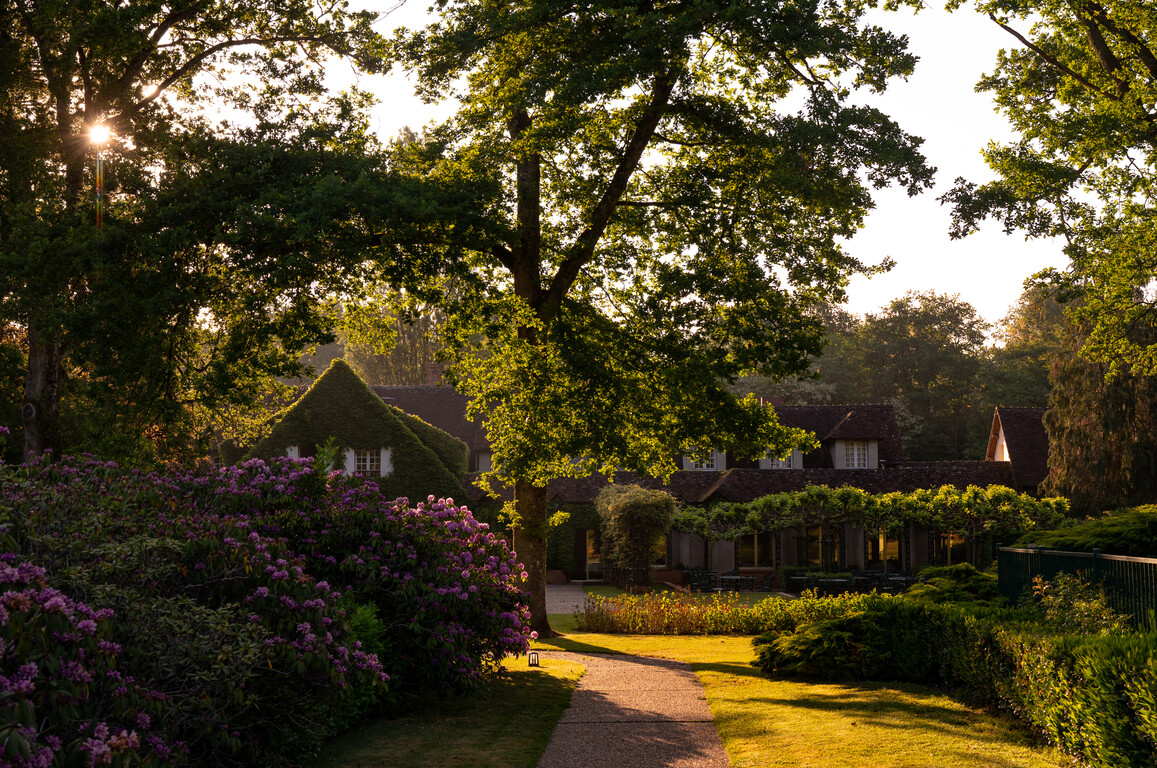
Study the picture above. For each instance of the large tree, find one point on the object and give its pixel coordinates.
(674, 181)
(925, 350)
(214, 239)
(1102, 428)
(1080, 88)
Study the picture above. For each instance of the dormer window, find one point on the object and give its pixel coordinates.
(368, 462)
(708, 463)
(855, 454)
(792, 461)
(715, 460)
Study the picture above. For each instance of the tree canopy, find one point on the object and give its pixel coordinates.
(1080, 89)
(216, 235)
(672, 184)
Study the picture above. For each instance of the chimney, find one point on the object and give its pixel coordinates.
(433, 372)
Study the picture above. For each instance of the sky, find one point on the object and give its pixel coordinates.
(938, 103)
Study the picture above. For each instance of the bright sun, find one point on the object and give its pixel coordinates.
(99, 134)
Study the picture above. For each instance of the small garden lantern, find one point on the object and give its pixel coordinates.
(532, 658)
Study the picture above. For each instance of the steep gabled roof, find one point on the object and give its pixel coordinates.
(860, 421)
(340, 405)
(439, 405)
(1026, 440)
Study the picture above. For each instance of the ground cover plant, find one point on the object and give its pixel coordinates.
(239, 616)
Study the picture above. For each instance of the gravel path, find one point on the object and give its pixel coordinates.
(564, 598)
(634, 712)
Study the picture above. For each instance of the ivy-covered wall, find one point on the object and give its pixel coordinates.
(339, 405)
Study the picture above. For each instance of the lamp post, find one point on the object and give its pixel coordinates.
(99, 136)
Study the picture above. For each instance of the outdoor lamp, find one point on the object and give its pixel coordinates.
(532, 658)
(99, 136)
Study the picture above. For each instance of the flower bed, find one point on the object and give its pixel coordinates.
(672, 613)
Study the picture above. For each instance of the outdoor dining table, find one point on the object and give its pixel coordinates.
(832, 586)
(737, 583)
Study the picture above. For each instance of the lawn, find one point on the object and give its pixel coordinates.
(507, 727)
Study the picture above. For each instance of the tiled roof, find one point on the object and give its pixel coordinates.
(1027, 441)
(860, 421)
(441, 406)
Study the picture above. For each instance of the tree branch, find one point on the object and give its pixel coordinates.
(583, 249)
(197, 60)
(1048, 57)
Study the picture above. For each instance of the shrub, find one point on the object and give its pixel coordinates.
(1073, 606)
(960, 583)
(62, 698)
(1131, 532)
(633, 520)
(884, 639)
(1094, 696)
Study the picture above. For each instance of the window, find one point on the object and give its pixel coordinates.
(368, 462)
(883, 551)
(770, 461)
(820, 545)
(856, 454)
(947, 549)
(659, 553)
(756, 550)
(708, 463)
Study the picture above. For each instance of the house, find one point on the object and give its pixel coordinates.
(859, 436)
(1018, 437)
(859, 446)
(404, 455)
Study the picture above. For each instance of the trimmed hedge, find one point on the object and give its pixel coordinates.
(1130, 532)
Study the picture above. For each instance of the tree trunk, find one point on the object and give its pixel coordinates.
(530, 546)
(43, 386)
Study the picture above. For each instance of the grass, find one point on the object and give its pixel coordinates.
(766, 723)
(508, 727)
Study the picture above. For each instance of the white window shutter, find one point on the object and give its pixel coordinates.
(387, 462)
(292, 452)
(350, 460)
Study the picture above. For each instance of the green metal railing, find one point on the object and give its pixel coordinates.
(1130, 583)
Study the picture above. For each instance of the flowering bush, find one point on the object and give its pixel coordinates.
(445, 587)
(233, 591)
(62, 698)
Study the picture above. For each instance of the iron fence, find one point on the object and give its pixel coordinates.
(1130, 583)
